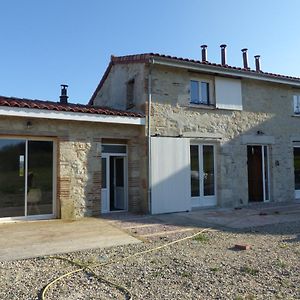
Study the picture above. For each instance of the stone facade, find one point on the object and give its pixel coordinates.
(267, 108)
(78, 160)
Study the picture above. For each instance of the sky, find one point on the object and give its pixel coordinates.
(46, 43)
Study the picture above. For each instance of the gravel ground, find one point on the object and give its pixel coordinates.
(206, 267)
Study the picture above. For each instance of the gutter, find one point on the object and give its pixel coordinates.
(69, 116)
(220, 71)
(151, 63)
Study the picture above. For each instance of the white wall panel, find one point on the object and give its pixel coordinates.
(170, 175)
(228, 93)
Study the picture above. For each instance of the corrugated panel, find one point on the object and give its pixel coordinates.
(228, 93)
(170, 175)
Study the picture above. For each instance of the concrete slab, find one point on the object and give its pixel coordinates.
(38, 238)
(251, 216)
(218, 218)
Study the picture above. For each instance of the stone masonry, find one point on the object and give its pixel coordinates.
(78, 161)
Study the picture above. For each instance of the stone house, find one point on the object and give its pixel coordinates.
(55, 158)
(218, 135)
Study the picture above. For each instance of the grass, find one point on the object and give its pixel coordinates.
(280, 263)
(201, 238)
(215, 269)
(249, 270)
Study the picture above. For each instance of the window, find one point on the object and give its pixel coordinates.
(130, 94)
(297, 104)
(200, 92)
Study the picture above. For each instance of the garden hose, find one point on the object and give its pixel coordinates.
(85, 267)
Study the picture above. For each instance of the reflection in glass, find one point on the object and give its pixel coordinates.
(297, 167)
(208, 170)
(12, 178)
(40, 178)
(195, 189)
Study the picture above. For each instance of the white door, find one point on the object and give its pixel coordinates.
(105, 184)
(203, 175)
(297, 171)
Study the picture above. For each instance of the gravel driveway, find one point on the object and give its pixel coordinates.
(206, 267)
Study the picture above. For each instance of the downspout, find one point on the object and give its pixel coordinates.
(151, 62)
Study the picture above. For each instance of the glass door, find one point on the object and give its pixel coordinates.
(40, 178)
(203, 180)
(12, 178)
(26, 178)
(297, 171)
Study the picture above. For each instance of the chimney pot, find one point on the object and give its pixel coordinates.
(63, 94)
(257, 63)
(204, 53)
(245, 58)
(223, 54)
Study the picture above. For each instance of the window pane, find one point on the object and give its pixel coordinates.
(12, 178)
(297, 104)
(40, 178)
(297, 167)
(103, 163)
(204, 92)
(195, 191)
(194, 91)
(208, 170)
(113, 149)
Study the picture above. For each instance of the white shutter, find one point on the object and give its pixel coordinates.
(170, 175)
(228, 93)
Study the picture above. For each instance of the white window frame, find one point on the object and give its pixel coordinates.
(211, 100)
(296, 105)
(202, 200)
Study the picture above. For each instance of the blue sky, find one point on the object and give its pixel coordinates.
(46, 43)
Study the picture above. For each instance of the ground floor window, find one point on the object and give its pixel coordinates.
(297, 171)
(26, 178)
(203, 181)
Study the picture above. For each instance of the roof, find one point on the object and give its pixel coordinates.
(69, 107)
(147, 57)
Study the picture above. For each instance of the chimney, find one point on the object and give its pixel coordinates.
(245, 58)
(204, 53)
(257, 63)
(63, 94)
(223, 54)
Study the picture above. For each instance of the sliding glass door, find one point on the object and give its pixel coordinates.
(12, 178)
(26, 178)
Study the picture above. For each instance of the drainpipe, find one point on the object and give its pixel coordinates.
(151, 62)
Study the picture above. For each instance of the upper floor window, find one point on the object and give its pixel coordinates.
(130, 94)
(199, 92)
(297, 104)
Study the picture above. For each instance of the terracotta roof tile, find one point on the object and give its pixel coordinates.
(70, 107)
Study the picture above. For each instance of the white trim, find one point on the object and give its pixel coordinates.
(71, 116)
(221, 71)
(202, 200)
(27, 218)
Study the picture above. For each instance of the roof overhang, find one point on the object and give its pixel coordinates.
(216, 70)
(69, 116)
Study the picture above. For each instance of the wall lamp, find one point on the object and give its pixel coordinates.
(29, 124)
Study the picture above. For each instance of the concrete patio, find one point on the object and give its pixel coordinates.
(29, 239)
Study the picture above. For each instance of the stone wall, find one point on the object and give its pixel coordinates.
(78, 151)
(267, 107)
(114, 90)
